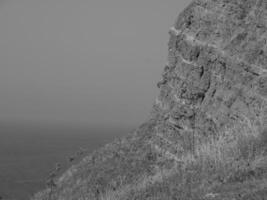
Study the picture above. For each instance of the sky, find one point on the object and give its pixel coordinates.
(88, 62)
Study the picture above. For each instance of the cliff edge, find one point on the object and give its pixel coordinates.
(207, 135)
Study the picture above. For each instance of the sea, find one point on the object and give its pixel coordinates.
(29, 152)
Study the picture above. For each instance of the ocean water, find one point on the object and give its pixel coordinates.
(29, 152)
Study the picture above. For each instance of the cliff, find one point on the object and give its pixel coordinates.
(207, 135)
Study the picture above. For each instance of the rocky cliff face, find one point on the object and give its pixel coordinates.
(215, 83)
(207, 135)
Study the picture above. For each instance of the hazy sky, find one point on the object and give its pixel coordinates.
(92, 62)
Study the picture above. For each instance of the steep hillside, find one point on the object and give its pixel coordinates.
(207, 136)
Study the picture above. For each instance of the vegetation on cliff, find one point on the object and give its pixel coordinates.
(207, 136)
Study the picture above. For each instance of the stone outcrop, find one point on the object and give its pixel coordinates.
(216, 77)
(207, 135)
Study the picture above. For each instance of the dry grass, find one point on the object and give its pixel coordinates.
(139, 185)
(235, 155)
(194, 172)
(238, 142)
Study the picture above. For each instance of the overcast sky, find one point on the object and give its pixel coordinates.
(93, 62)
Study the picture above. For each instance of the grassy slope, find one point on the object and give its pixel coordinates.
(132, 168)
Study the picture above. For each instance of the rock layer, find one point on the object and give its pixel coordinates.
(216, 78)
(207, 135)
